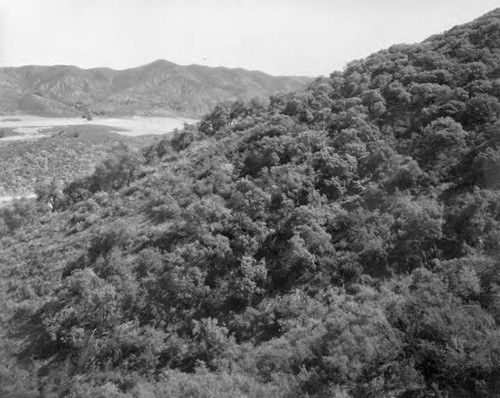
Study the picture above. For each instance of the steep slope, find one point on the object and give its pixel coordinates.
(159, 88)
(341, 241)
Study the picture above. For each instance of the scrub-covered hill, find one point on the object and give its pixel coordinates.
(337, 242)
(63, 155)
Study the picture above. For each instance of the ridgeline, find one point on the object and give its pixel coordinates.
(160, 88)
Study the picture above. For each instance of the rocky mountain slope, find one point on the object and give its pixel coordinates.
(158, 88)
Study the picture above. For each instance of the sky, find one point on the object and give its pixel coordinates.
(280, 37)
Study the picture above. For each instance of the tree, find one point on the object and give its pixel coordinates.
(118, 170)
(219, 118)
(50, 194)
(441, 147)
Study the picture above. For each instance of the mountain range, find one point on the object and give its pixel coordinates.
(160, 88)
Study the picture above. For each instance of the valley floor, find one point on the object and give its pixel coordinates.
(5, 200)
(23, 127)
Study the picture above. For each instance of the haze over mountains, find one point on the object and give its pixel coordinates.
(159, 88)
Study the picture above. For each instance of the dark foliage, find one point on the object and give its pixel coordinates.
(337, 242)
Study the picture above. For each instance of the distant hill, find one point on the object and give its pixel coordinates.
(158, 88)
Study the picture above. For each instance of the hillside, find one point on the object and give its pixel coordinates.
(159, 88)
(341, 241)
(66, 154)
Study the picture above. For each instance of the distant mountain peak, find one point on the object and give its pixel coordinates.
(159, 63)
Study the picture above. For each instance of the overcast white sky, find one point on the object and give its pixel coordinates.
(281, 37)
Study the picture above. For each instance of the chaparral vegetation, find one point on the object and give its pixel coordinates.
(340, 241)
